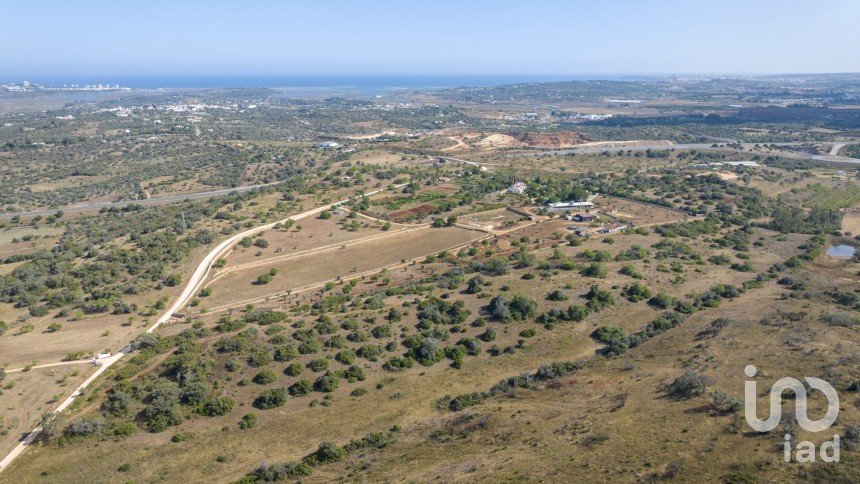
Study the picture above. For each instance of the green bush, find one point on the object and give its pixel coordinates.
(271, 398)
(265, 376)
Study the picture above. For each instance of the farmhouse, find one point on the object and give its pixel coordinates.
(582, 217)
(613, 227)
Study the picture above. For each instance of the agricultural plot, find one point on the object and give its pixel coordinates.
(639, 213)
(304, 270)
(307, 234)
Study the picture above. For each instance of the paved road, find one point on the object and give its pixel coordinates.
(85, 207)
(191, 288)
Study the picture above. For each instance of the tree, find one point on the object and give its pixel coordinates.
(595, 269)
(265, 376)
(327, 383)
(300, 388)
(688, 385)
(328, 452)
(475, 284)
(271, 398)
(218, 406)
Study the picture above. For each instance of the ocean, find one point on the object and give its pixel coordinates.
(367, 83)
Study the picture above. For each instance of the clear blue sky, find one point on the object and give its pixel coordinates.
(213, 37)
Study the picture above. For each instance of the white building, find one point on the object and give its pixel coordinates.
(518, 188)
(329, 144)
(569, 205)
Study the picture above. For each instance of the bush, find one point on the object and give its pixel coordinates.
(82, 427)
(595, 269)
(630, 270)
(840, 319)
(636, 292)
(294, 369)
(428, 352)
(271, 398)
(608, 334)
(218, 406)
(370, 352)
(319, 364)
(723, 403)
(488, 335)
(327, 452)
(598, 299)
(662, 300)
(300, 388)
(327, 383)
(265, 376)
(688, 385)
(249, 420)
(398, 364)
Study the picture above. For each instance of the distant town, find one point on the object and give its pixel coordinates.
(27, 86)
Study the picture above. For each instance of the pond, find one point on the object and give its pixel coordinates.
(840, 251)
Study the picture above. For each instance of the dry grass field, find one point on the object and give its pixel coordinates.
(613, 410)
(26, 395)
(304, 270)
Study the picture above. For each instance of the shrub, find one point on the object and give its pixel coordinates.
(218, 406)
(428, 352)
(271, 398)
(327, 452)
(488, 335)
(636, 292)
(723, 403)
(327, 383)
(608, 334)
(285, 353)
(840, 319)
(370, 352)
(300, 388)
(82, 427)
(662, 300)
(595, 269)
(630, 270)
(598, 299)
(398, 364)
(347, 357)
(265, 376)
(688, 385)
(319, 364)
(294, 369)
(249, 420)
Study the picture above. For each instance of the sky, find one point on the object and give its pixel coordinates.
(49, 38)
